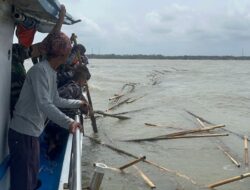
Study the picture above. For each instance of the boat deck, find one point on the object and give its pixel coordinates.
(50, 171)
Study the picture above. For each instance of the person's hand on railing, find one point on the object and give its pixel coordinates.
(84, 108)
(73, 127)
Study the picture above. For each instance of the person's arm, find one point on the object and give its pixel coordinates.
(66, 103)
(58, 26)
(40, 88)
(37, 49)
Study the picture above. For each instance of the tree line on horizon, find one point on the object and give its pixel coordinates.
(183, 57)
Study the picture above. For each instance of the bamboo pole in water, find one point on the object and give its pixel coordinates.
(91, 113)
(132, 111)
(145, 178)
(222, 149)
(176, 137)
(132, 163)
(154, 125)
(167, 136)
(229, 156)
(192, 131)
(246, 151)
(146, 161)
(111, 115)
(116, 96)
(230, 180)
(208, 122)
(118, 104)
(201, 123)
(133, 100)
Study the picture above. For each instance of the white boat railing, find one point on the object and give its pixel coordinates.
(75, 162)
(71, 177)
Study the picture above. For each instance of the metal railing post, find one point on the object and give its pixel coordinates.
(75, 172)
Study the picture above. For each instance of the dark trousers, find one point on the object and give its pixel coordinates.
(25, 158)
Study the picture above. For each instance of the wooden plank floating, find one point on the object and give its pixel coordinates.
(230, 180)
(132, 163)
(145, 178)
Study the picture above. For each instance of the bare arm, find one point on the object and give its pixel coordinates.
(58, 26)
(37, 49)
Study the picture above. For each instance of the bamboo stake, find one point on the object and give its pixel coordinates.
(91, 113)
(223, 150)
(179, 133)
(132, 163)
(176, 137)
(146, 161)
(201, 123)
(246, 151)
(133, 100)
(229, 156)
(193, 131)
(223, 182)
(132, 111)
(196, 116)
(145, 178)
(111, 115)
(115, 106)
(204, 120)
(116, 96)
(154, 125)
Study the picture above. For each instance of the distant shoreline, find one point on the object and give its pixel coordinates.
(162, 57)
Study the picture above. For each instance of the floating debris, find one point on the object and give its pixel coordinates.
(145, 178)
(162, 168)
(111, 115)
(230, 180)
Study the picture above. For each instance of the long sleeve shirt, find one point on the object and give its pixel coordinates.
(38, 100)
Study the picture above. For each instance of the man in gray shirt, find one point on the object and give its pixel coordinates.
(38, 100)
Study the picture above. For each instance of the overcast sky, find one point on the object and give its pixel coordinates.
(168, 27)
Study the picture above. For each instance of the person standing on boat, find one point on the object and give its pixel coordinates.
(66, 71)
(38, 100)
(55, 135)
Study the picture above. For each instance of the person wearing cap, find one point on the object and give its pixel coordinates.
(54, 135)
(73, 58)
(39, 100)
(66, 71)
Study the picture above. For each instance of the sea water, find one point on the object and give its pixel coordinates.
(164, 90)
